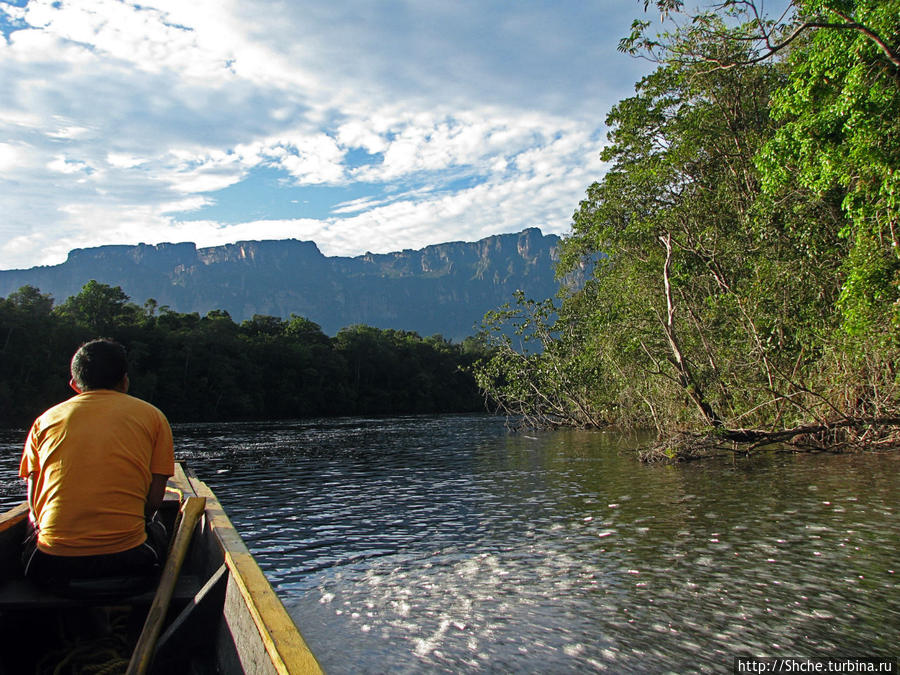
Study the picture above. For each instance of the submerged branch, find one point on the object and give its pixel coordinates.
(855, 433)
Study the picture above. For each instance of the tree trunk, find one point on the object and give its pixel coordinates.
(685, 376)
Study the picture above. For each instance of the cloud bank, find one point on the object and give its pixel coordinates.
(361, 126)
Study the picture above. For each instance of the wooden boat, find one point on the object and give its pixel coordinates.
(223, 616)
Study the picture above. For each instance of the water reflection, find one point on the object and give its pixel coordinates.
(445, 544)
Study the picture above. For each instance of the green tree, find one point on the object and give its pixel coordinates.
(303, 329)
(839, 133)
(677, 294)
(542, 371)
(263, 327)
(33, 364)
(100, 308)
(30, 300)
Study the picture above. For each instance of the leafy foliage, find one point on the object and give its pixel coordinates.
(839, 133)
(746, 233)
(535, 373)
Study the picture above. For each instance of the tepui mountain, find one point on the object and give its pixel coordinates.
(440, 289)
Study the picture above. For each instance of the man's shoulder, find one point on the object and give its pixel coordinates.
(141, 404)
(112, 402)
(58, 410)
(99, 402)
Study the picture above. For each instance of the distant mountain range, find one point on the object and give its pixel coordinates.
(445, 288)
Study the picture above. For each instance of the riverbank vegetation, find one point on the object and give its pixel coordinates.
(744, 243)
(211, 368)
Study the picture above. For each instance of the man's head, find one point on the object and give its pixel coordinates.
(100, 364)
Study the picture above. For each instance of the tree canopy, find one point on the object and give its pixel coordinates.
(746, 279)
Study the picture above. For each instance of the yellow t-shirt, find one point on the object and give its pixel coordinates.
(93, 456)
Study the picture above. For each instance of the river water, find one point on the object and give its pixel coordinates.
(446, 544)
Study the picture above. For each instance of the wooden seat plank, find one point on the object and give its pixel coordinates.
(20, 593)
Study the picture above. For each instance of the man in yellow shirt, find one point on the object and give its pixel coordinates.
(96, 467)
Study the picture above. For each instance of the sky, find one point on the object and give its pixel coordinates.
(362, 125)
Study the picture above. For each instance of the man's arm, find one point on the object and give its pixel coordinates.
(29, 481)
(155, 494)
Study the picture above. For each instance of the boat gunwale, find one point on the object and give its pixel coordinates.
(13, 516)
(281, 638)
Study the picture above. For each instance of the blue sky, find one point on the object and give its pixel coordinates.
(364, 125)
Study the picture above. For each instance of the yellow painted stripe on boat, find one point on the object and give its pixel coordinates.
(283, 642)
(181, 480)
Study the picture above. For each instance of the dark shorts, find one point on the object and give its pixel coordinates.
(57, 572)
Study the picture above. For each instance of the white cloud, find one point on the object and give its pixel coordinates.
(184, 205)
(42, 46)
(357, 205)
(311, 159)
(360, 134)
(122, 160)
(140, 35)
(63, 165)
(27, 244)
(10, 156)
(67, 132)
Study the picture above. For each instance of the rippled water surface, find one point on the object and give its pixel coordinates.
(445, 544)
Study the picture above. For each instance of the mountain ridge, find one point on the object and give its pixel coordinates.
(440, 289)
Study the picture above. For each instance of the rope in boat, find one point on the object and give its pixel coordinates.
(106, 654)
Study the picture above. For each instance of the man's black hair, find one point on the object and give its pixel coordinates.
(99, 364)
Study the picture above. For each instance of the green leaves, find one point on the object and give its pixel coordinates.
(743, 240)
(840, 134)
(100, 308)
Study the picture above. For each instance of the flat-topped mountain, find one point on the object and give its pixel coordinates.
(444, 288)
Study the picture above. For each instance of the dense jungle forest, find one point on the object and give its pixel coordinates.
(211, 368)
(744, 241)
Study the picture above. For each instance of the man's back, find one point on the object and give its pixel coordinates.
(93, 456)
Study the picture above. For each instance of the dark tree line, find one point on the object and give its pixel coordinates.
(205, 368)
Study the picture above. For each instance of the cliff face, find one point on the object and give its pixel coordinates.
(445, 288)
